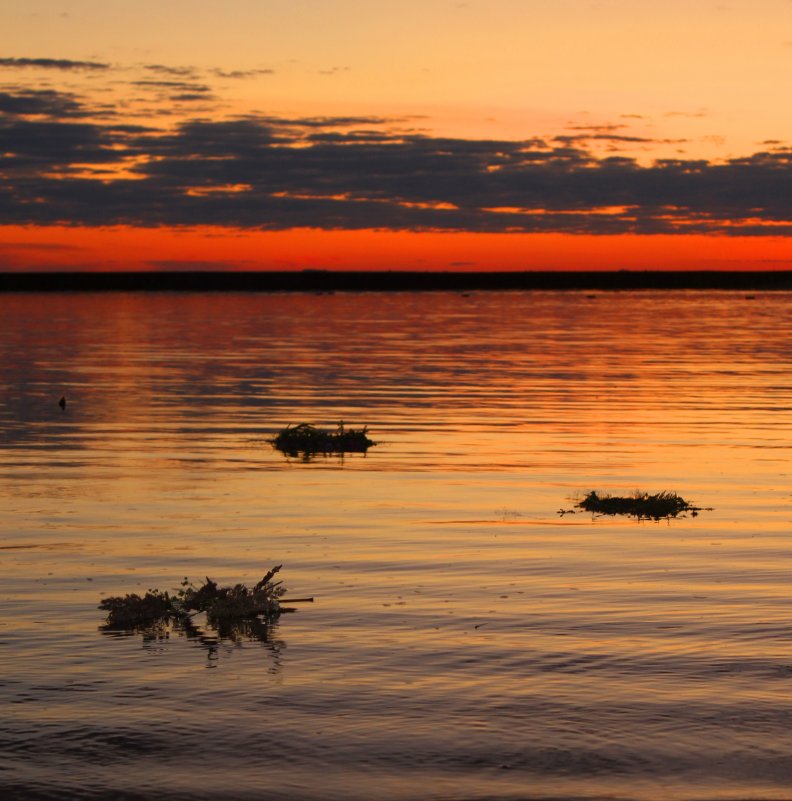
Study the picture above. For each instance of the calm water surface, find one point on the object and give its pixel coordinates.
(466, 642)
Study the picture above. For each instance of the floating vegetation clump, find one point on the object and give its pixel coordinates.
(307, 440)
(221, 604)
(134, 610)
(639, 504)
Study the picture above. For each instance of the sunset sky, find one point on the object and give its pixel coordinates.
(423, 134)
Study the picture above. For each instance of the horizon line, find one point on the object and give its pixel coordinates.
(328, 280)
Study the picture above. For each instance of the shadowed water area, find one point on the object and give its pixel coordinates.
(466, 641)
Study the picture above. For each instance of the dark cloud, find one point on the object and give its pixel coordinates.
(42, 102)
(274, 173)
(54, 64)
(30, 149)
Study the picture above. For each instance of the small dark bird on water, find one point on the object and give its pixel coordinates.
(62, 402)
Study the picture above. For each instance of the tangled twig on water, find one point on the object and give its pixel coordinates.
(308, 440)
(639, 504)
(219, 603)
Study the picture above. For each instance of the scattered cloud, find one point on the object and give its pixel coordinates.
(63, 164)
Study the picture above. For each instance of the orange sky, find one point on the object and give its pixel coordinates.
(507, 134)
(117, 248)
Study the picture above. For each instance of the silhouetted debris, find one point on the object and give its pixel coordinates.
(306, 440)
(219, 603)
(638, 504)
(133, 609)
(62, 402)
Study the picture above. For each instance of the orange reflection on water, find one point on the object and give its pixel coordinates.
(461, 624)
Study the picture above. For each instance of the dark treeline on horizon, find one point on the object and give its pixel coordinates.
(396, 281)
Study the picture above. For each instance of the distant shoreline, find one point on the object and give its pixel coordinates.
(395, 281)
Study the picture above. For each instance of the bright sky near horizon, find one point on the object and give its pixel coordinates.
(513, 134)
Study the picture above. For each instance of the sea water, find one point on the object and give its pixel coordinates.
(469, 638)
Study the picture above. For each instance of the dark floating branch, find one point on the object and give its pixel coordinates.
(639, 504)
(306, 440)
(221, 604)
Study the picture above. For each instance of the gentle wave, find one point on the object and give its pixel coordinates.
(467, 641)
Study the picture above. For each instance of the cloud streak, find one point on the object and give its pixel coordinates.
(62, 166)
(54, 64)
(241, 74)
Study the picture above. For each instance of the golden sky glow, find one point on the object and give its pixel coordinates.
(547, 133)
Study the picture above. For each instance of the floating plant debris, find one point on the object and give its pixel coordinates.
(306, 440)
(639, 504)
(221, 604)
